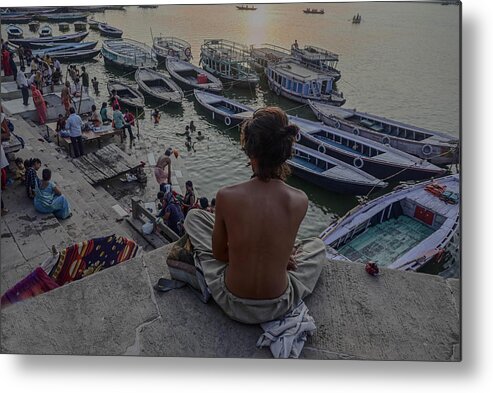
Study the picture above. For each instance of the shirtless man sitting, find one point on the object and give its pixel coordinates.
(247, 252)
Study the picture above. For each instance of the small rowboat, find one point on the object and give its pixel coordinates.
(331, 174)
(52, 48)
(80, 26)
(45, 31)
(172, 47)
(63, 26)
(158, 85)
(109, 31)
(129, 54)
(191, 76)
(437, 147)
(404, 229)
(34, 42)
(14, 32)
(127, 94)
(383, 162)
(19, 19)
(65, 17)
(223, 109)
(67, 56)
(246, 8)
(313, 11)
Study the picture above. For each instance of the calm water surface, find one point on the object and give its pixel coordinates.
(402, 62)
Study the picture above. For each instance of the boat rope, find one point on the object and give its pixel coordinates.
(451, 150)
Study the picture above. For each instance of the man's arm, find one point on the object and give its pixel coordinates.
(219, 233)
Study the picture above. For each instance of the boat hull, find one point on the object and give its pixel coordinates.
(190, 85)
(34, 42)
(66, 57)
(439, 153)
(137, 101)
(330, 184)
(379, 169)
(143, 79)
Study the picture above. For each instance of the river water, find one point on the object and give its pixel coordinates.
(401, 62)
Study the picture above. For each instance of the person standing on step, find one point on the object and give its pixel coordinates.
(23, 85)
(32, 179)
(66, 99)
(120, 123)
(74, 126)
(162, 171)
(40, 104)
(13, 66)
(20, 53)
(85, 80)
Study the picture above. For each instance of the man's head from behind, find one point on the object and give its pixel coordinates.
(267, 139)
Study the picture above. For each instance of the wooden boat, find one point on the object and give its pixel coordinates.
(436, 147)
(383, 162)
(191, 76)
(268, 53)
(64, 26)
(65, 17)
(67, 56)
(313, 11)
(69, 47)
(109, 31)
(45, 31)
(331, 174)
(14, 32)
(34, 26)
(19, 19)
(172, 47)
(127, 94)
(405, 229)
(80, 26)
(318, 59)
(158, 85)
(291, 79)
(223, 109)
(128, 54)
(229, 61)
(246, 8)
(34, 42)
(93, 24)
(148, 6)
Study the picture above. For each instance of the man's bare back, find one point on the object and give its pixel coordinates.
(255, 229)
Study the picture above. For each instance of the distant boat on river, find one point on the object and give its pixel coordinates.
(246, 7)
(313, 11)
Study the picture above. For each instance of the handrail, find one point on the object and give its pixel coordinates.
(138, 210)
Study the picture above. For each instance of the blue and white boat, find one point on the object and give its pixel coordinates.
(331, 174)
(14, 32)
(229, 61)
(109, 31)
(437, 147)
(405, 229)
(75, 46)
(128, 54)
(291, 79)
(172, 47)
(192, 77)
(223, 109)
(40, 42)
(318, 59)
(45, 31)
(383, 162)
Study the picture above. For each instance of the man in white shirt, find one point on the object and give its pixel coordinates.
(23, 85)
(74, 126)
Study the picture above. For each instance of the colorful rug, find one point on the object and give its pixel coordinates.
(34, 284)
(83, 259)
(73, 263)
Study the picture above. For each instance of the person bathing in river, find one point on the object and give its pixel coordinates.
(162, 171)
(247, 251)
(192, 127)
(186, 133)
(156, 116)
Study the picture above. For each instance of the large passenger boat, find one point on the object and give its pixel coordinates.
(129, 54)
(229, 61)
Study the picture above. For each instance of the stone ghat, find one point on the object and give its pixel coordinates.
(395, 316)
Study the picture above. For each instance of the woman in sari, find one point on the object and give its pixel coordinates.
(49, 199)
(39, 103)
(7, 70)
(66, 100)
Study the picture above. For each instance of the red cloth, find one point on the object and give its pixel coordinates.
(4, 178)
(34, 284)
(130, 118)
(40, 104)
(7, 69)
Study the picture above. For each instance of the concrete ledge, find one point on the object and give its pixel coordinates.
(396, 316)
